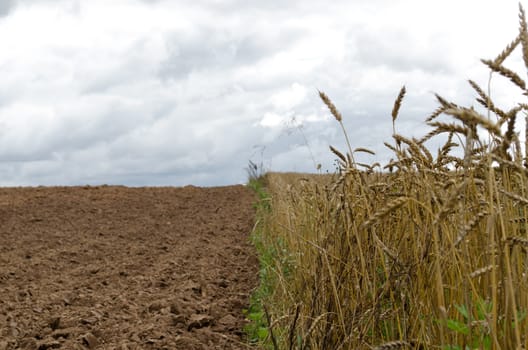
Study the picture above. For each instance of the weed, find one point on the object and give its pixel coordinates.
(257, 329)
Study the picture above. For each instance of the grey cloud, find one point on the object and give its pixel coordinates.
(6, 6)
(151, 2)
(77, 130)
(212, 48)
(277, 8)
(397, 50)
(117, 123)
(99, 73)
(186, 56)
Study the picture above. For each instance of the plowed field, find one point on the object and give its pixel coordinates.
(111, 267)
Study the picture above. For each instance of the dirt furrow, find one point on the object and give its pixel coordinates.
(112, 267)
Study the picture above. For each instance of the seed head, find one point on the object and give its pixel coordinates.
(331, 106)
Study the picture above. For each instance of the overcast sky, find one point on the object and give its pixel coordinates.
(154, 92)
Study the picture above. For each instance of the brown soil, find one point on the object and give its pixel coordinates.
(111, 267)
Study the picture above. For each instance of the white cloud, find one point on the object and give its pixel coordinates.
(289, 98)
(272, 120)
(177, 92)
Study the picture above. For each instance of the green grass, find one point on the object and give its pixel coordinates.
(257, 330)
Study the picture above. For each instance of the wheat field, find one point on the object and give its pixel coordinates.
(426, 252)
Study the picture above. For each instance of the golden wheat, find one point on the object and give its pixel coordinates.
(337, 115)
(514, 77)
(430, 255)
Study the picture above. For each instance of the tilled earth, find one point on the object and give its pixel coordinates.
(111, 267)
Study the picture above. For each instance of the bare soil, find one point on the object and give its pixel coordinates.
(111, 267)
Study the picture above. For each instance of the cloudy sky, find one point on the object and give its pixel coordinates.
(177, 92)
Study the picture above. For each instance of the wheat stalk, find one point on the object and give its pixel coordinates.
(514, 196)
(486, 101)
(523, 34)
(471, 117)
(338, 154)
(507, 51)
(391, 206)
(514, 77)
(398, 344)
(469, 227)
(364, 150)
(449, 128)
(333, 109)
(521, 241)
(482, 271)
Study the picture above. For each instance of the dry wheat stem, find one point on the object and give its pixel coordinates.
(514, 196)
(471, 117)
(337, 115)
(523, 34)
(364, 150)
(507, 51)
(398, 344)
(521, 241)
(514, 77)
(338, 154)
(482, 271)
(397, 105)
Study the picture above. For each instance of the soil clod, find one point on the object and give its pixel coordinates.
(111, 267)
